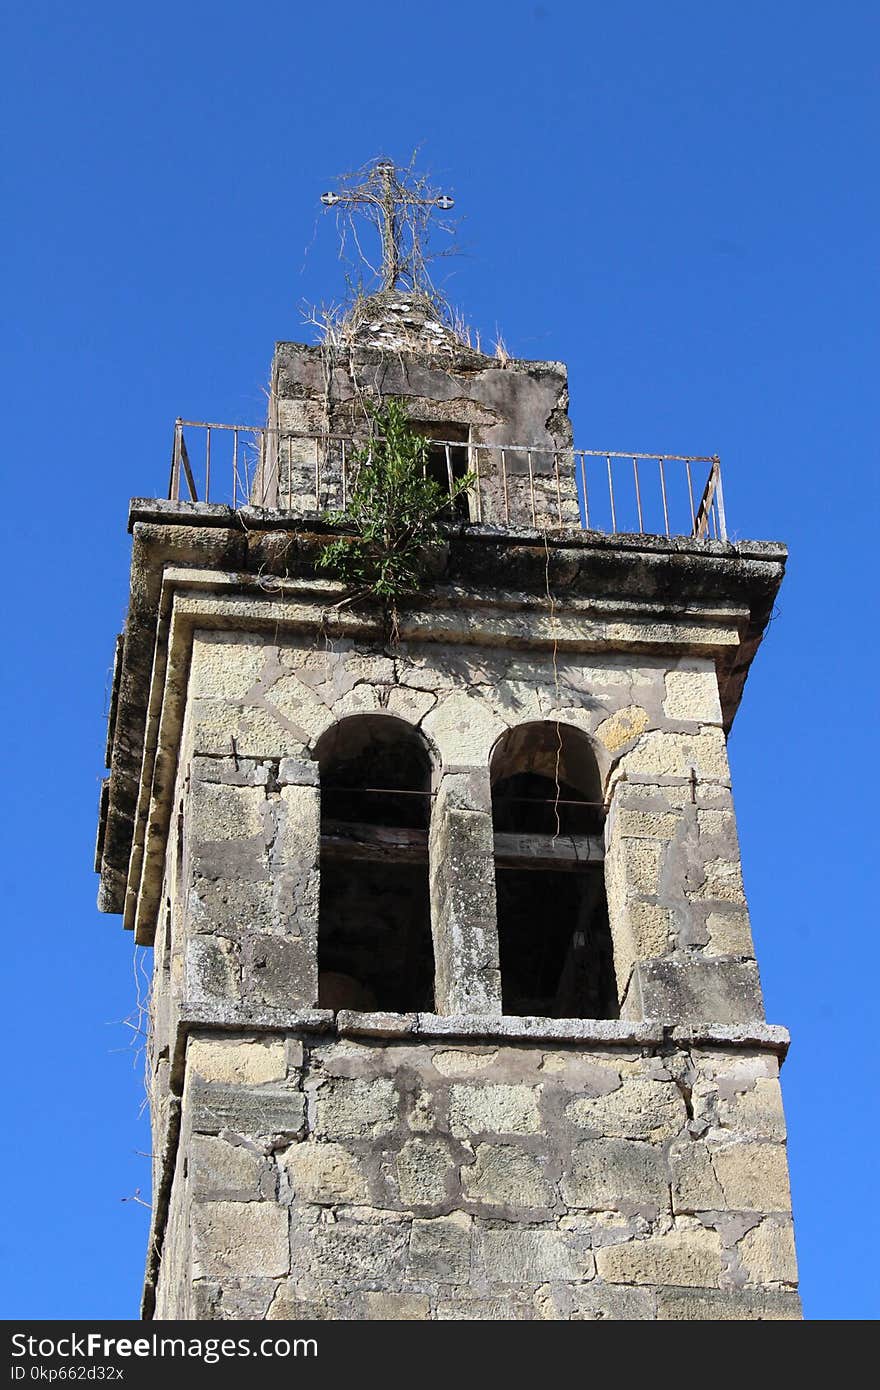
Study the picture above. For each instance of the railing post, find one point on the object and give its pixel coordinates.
(174, 480)
(586, 498)
(611, 496)
(719, 498)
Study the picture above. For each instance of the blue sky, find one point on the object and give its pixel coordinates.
(679, 200)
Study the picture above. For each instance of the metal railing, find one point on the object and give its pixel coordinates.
(513, 484)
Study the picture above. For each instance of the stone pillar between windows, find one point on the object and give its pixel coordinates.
(252, 879)
(462, 878)
(679, 921)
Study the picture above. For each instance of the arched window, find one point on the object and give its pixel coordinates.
(553, 936)
(374, 936)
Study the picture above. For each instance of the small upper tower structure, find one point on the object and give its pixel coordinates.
(455, 1008)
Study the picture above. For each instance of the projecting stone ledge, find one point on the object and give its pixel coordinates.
(616, 1032)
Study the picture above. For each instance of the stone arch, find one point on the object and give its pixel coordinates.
(554, 940)
(375, 951)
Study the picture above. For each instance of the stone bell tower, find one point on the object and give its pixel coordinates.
(455, 1009)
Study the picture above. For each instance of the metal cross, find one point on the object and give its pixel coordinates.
(383, 190)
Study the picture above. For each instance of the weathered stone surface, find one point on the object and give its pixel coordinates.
(225, 665)
(695, 1186)
(226, 813)
(753, 1177)
(355, 1108)
(768, 1253)
(245, 1297)
(722, 882)
(213, 969)
(639, 1109)
(729, 934)
(219, 1170)
(527, 1256)
(493, 1109)
(349, 1254)
(463, 1062)
(616, 1173)
(650, 926)
(753, 1110)
(594, 1302)
(622, 727)
(424, 1172)
(647, 825)
(232, 1061)
(267, 1110)
(662, 754)
(512, 1309)
(440, 1249)
(239, 1238)
(397, 1307)
(506, 1176)
(690, 1257)
(464, 728)
(715, 1305)
(717, 991)
(324, 1173)
(287, 1306)
(641, 865)
(692, 695)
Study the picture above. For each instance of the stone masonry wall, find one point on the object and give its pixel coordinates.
(321, 390)
(410, 1179)
(251, 813)
(415, 1176)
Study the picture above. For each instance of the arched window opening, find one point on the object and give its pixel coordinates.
(375, 950)
(553, 935)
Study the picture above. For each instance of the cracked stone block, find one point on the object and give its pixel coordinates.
(753, 1177)
(695, 1186)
